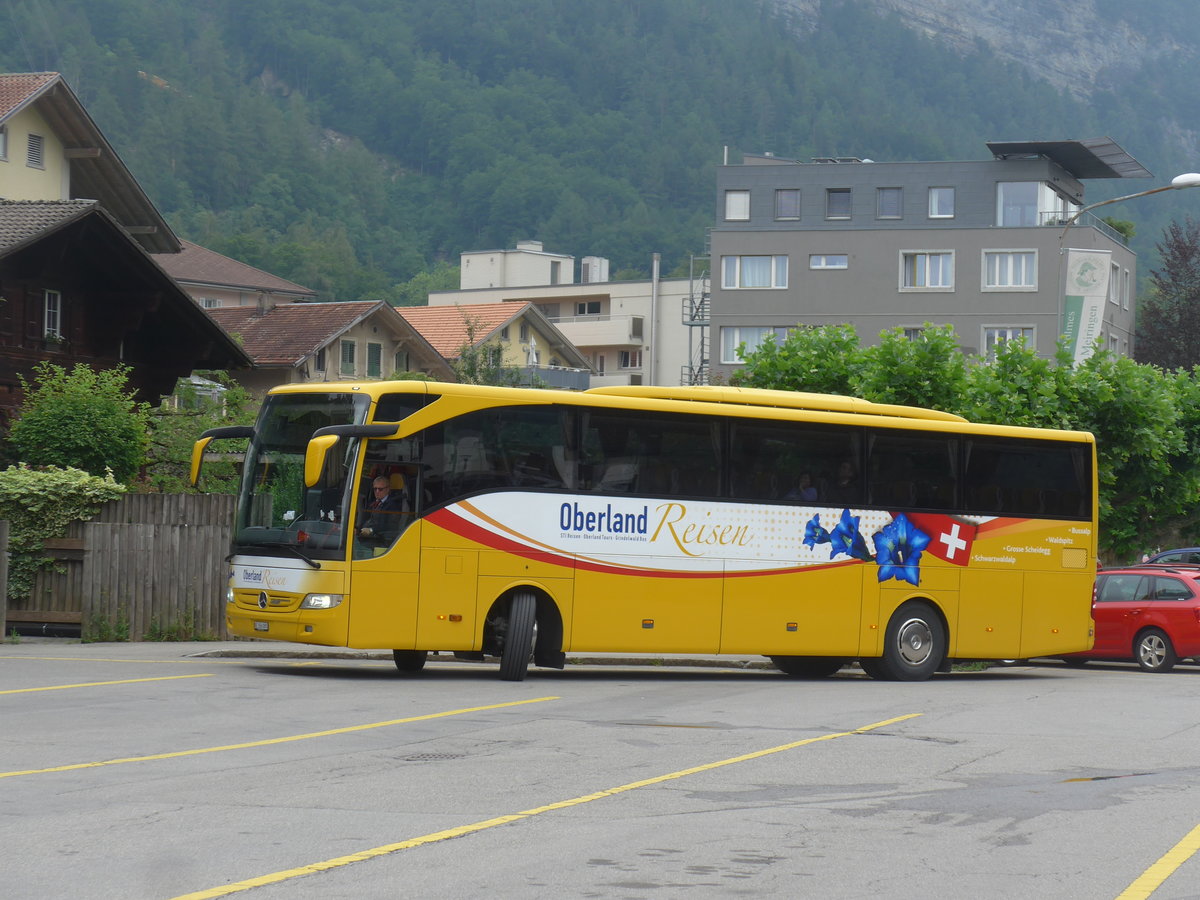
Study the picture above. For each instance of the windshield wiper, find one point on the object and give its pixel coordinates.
(286, 546)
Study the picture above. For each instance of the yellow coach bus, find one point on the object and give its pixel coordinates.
(521, 524)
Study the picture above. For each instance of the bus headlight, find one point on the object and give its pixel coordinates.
(229, 598)
(320, 601)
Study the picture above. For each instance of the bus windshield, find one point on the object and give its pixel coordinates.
(277, 514)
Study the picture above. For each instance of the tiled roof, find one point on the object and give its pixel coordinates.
(24, 220)
(445, 327)
(96, 170)
(18, 89)
(199, 265)
(285, 334)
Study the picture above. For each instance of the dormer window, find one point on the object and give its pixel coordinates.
(35, 155)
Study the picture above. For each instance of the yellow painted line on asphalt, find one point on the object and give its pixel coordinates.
(1154, 876)
(63, 687)
(270, 741)
(375, 852)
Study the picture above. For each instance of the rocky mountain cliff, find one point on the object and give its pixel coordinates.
(1080, 46)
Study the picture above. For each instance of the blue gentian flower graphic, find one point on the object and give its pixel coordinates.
(814, 534)
(846, 538)
(898, 550)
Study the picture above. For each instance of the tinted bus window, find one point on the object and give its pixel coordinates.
(663, 455)
(1028, 478)
(793, 461)
(525, 447)
(913, 471)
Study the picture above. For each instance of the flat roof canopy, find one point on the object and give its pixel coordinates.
(1093, 158)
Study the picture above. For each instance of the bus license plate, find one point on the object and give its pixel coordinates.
(261, 626)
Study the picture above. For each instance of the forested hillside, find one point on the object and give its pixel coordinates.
(351, 144)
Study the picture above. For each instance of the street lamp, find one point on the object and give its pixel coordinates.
(1187, 180)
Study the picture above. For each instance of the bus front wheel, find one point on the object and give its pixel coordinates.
(518, 637)
(410, 660)
(914, 644)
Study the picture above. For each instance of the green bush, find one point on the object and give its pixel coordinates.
(85, 419)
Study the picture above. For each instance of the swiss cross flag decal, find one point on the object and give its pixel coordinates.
(949, 538)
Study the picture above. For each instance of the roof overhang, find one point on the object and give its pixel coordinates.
(1093, 158)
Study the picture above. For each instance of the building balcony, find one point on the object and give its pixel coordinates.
(601, 331)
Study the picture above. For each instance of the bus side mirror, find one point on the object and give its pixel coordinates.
(324, 438)
(198, 448)
(314, 457)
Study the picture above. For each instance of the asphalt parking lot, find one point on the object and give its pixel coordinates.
(203, 770)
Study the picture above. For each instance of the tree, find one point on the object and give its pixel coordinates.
(483, 363)
(928, 370)
(1168, 333)
(85, 419)
(823, 360)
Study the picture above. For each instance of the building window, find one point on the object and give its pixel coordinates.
(1126, 290)
(1017, 203)
(1009, 270)
(1114, 284)
(210, 303)
(3, 142)
(599, 363)
(889, 202)
(941, 203)
(629, 359)
(787, 204)
(914, 334)
(524, 331)
(348, 364)
(927, 271)
(754, 271)
(35, 156)
(504, 333)
(837, 203)
(995, 335)
(374, 360)
(752, 337)
(52, 314)
(319, 361)
(555, 271)
(400, 361)
(588, 308)
(828, 261)
(549, 310)
(737, 206)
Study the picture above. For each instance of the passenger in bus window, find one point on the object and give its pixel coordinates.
(845, 488)
(804, 488)
(383, 522)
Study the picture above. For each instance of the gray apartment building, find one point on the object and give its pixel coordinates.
(981, 245)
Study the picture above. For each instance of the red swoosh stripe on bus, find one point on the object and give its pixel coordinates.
(456, 524)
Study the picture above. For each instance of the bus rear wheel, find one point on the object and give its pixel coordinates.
(808, 666)
(518, 637)
(914, 644)
(410, 660)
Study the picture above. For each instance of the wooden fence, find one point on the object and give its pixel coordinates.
(146, 564)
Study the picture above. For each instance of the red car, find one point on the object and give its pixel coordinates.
(1148, 613)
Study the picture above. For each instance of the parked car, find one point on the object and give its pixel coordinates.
(1149, 613)
(1182, 555)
